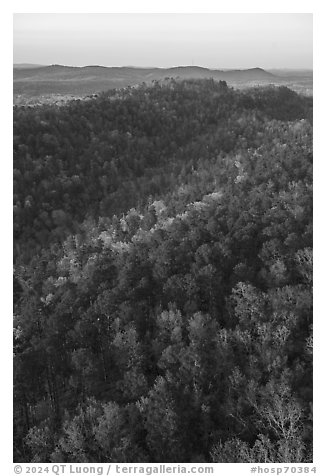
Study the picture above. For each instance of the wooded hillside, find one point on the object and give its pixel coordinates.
(163, 276)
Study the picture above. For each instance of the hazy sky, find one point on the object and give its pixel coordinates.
(267, 40)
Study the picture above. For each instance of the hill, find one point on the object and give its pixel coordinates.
(27, 65)
(76, 81)
(59, 72)
(163, 276)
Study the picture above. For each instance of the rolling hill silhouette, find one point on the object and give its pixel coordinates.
(58, 79)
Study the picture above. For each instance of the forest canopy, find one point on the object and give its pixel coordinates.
(163, 276)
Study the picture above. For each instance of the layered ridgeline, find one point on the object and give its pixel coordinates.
(35, 80)
(35, 84)
(163, 304)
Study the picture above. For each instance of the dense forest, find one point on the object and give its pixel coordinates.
(163, 276)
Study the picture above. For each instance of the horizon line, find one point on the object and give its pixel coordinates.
(165, 67)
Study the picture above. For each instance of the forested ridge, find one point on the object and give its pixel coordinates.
(163, 276)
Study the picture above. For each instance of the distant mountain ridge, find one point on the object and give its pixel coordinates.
(27, 65)
(59, 79)
(35, 83)
(34, 72)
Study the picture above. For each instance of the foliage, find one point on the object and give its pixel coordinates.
(163, 277)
